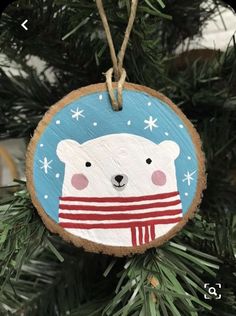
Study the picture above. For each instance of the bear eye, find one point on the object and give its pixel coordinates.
(149, 161)
(88, 164)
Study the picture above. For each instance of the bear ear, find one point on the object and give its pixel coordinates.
(66, 149)
(171, 148)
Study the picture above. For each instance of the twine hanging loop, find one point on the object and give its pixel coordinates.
(116, 103)
(118, 70)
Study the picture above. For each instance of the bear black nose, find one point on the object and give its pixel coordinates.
(119, 178)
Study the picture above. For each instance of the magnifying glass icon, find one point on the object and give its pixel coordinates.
(212, 291)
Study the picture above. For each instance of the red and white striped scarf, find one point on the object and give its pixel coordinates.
(139, 213)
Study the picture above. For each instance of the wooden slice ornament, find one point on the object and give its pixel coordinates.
(117, 182)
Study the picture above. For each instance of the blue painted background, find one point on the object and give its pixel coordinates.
(97, 119)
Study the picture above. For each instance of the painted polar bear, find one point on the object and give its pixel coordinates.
(119, 189)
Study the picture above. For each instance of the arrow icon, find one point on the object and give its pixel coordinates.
(24, 25)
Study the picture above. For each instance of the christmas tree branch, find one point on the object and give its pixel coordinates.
(157, 279)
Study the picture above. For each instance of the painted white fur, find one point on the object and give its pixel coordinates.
(118, 154)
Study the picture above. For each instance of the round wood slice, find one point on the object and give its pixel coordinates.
(115, 182)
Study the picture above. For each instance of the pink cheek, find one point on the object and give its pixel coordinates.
(159, 177)
(79, 181)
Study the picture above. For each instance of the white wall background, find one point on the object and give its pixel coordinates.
(217, 33)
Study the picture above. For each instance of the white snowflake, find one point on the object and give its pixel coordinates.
(45, 164)
(77, 113)
(150, 123)
(188, 177)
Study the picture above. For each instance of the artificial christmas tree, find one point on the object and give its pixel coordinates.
(43, 275)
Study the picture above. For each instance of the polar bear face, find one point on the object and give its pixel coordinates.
(118, 165)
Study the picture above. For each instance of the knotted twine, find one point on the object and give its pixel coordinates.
(117, 60)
